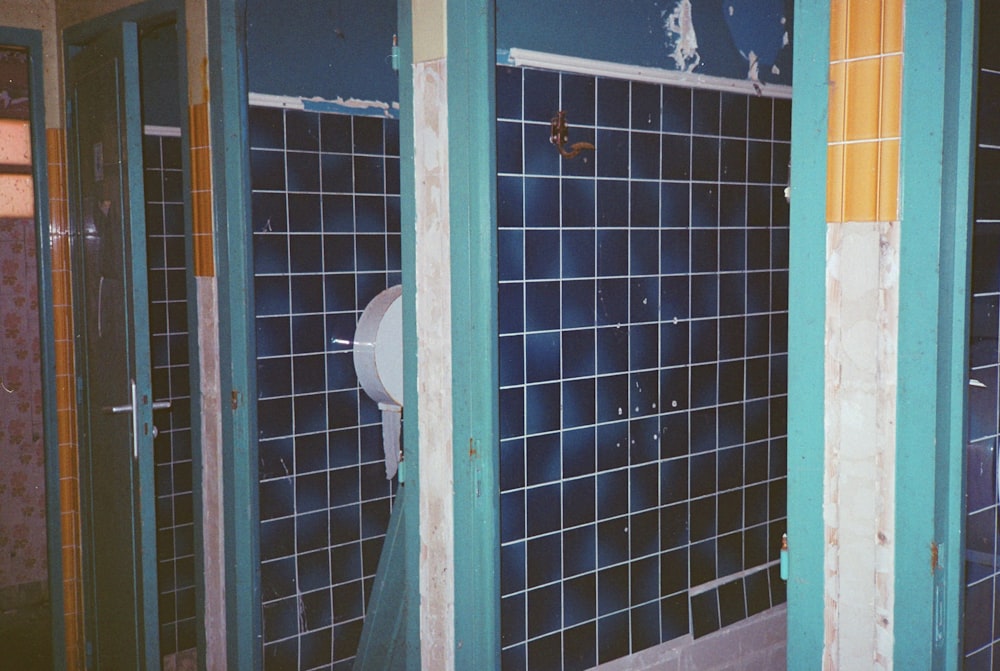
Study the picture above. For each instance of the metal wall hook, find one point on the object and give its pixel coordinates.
(559, 136)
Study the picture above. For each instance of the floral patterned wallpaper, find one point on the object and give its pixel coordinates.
(22, 457)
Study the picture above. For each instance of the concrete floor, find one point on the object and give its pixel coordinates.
(25, 639)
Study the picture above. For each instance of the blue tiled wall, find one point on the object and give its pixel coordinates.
(171, 381)
(325, 217)
(643, 344)
(982, 618)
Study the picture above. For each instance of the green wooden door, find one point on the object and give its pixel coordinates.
(112, 329)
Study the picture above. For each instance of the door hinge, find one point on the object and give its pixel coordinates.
(235, 399)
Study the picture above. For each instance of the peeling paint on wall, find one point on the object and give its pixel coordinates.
(759, 32)
(681, 37)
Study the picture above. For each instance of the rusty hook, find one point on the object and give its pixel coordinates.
(559, 136)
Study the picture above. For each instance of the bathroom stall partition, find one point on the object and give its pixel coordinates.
(326, 240)
(643, 354)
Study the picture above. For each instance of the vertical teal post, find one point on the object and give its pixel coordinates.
(806, 334)
(472, 173)
(935, 199)
(231, 195)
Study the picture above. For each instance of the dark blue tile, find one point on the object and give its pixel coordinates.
(267, 127)
(271, 295)
(578, 353)
(612, 350)
(313, 570)
(644, 393)
(673, 572)
(730, 559)
(276, 458)
(612, 252)
(578, 253)
(541, 307)
(704, 206)
(758, 249)
(338, 288)
(612, 102)
(645, 621)
(579, 550)
(612, 153)
(512, 619)
(512, 570)
(544, 556)
(508, 86)
(578, 502)
(335, 132)
(369, 174)
(511, 412)
(277, 579)
(645, 156)
(301, 130)
(612, 583)
(509, 146)
(612, 445)
(541, 95)
(541, 202)
(338, 214)
(705, 159)
(306, 253)
(732, 294)
(704, 295)
(580, 599)
(578, 98)
(758, 335)
(612, 398)
(757, 592)
(643, 346)
(281, 656)
(303, 171)
(643, 252)
(515, 658)
(267, 170)
(277, 538)
(368, 135)
(512, 515)
(578, 452)
(643, 488)
(510, 202)
(703, 519)
(311, 491)
(304, 213)
(759, 162)
(612, 203)
(310, 411)
(315, 648)
(345, 642)
(644, 438)
(542, 404)
(780, 162)
(758, 206)
(544, 610)
(612, 637)
(543, 460)
(676, 109)
(674, 526)
(733, 161)
(674, 251)
(511, 464)
(644, 204)
(578, 403)
(578, 200)
(703, 439)
(541, 254)
(734, 114)
(705, 112)
(702, 562)
(759, 117)
(705, 613)
(644, 299)
(612, 301)
(274, 417)
(782, 119)
(344, 524)
(675, 157)
(674, 621)
(545, 652)
(280, 618)
(645, 106)
(704, 340)
(541, 157)
(675, 205)
(370, 252)
(511, 360)
(345, 563)
(277, 498)
(674, 388)
(612, 495)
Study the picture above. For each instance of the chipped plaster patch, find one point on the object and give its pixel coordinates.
(681, 36)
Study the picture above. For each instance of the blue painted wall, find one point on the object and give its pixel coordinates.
(325, 48)
(632, 32)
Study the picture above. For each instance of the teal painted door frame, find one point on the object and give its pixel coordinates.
(806, 335)
(475, 387)
(936, 155)
(32, 41)
(935, 199)
(237, 347)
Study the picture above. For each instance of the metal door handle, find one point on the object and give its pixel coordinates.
(161, 405)
(132, 409)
